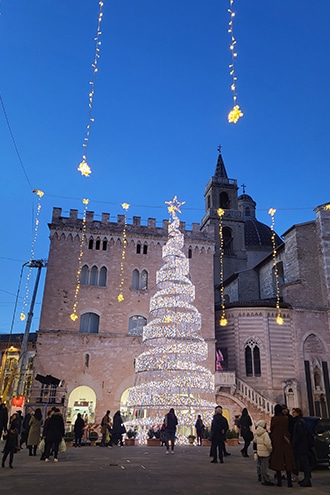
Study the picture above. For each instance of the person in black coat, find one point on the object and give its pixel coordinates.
(300, 447)
(11, 440)
(118, 429)
(246, 432)
(78, 429)
(3, 418)
(171, 422)
(54, 432)
(219, 429)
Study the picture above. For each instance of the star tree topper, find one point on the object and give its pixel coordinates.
(174, 206)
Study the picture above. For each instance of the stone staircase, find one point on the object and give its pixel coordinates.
(233, 393)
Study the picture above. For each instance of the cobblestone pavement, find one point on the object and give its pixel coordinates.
(143, 470)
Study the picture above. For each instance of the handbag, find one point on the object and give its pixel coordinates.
(62, 446)
(41, 446)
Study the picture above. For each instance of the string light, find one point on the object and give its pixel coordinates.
(74, 315)
(120, 297)
(167, 372)
(40, 194)
(223, 320)
(84, 168)
(236, 113)
(279, 319)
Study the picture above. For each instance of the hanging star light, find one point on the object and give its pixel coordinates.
(120, 297)
(279, 319)
(223, 320)
(40, 194)
(74, 315)
(236, 113)
(84, 168)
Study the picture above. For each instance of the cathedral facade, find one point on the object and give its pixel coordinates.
(256, 362)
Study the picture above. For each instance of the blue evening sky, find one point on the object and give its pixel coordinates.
(162, 95)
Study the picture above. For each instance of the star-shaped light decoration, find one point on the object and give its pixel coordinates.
(120, 297)
(84, 168)
(22, 316)
(125, 206)
(38, 192)
(167, 319)
(74, 317)
(174, 206)
(235, 114)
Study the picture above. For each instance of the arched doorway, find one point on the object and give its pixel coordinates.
(81, 400)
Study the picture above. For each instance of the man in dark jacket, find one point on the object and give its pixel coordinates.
(300, 447)
(54, 432)
(219, 429)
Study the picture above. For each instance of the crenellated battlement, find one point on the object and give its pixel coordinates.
(105, 226)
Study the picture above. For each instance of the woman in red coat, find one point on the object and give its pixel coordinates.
(282, 458)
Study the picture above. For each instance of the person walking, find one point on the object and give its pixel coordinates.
(78, 429)
(3, 418)
(219, 429)
(301, 446)
(264, 449)
(54, 434)
(281, 458)
(105, 428)
(11, 436)
(171, 422)
(35, 424)
(118, 429)
(200, 428)
(25, 430)
(246, 433)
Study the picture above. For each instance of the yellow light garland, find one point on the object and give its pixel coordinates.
(84, 168)
(74, 315)
(223, 320)
(40, 194)
(236, 113)
(120, 297)
(279, 319)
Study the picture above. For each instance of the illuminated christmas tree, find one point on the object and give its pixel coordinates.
(168, 373)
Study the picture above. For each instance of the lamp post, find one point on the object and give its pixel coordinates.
(39, 264)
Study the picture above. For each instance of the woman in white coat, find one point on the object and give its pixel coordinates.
(264, 449)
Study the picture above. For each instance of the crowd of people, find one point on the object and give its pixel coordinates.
(283, 449)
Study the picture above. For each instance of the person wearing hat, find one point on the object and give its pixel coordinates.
(264, 449)
(219, 429)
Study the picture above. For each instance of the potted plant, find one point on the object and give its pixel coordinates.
(206, 441)
(93, 437)
(153, 437)
(231, 437)
(131, 437)
(69, 438)
(191, 439)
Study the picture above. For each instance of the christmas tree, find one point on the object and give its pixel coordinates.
(168, 373)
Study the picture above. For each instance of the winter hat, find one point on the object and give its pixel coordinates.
(261, 423)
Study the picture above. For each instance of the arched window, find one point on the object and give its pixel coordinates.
(104, 245)
(89, 323)
(87, 360)
(90, 244)
(138, 248)
(136, 324)
(135, 279)
(208, 202)
(190, 253)
(224, 201)
(140, 280)
(94, 276)
(145, 248)
(103, 277)
(227, 241)
(252, 359)
(84, 275)
(97, 244)
(247, 211)
(144, 280)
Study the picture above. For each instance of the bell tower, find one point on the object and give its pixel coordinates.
(221, 192)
